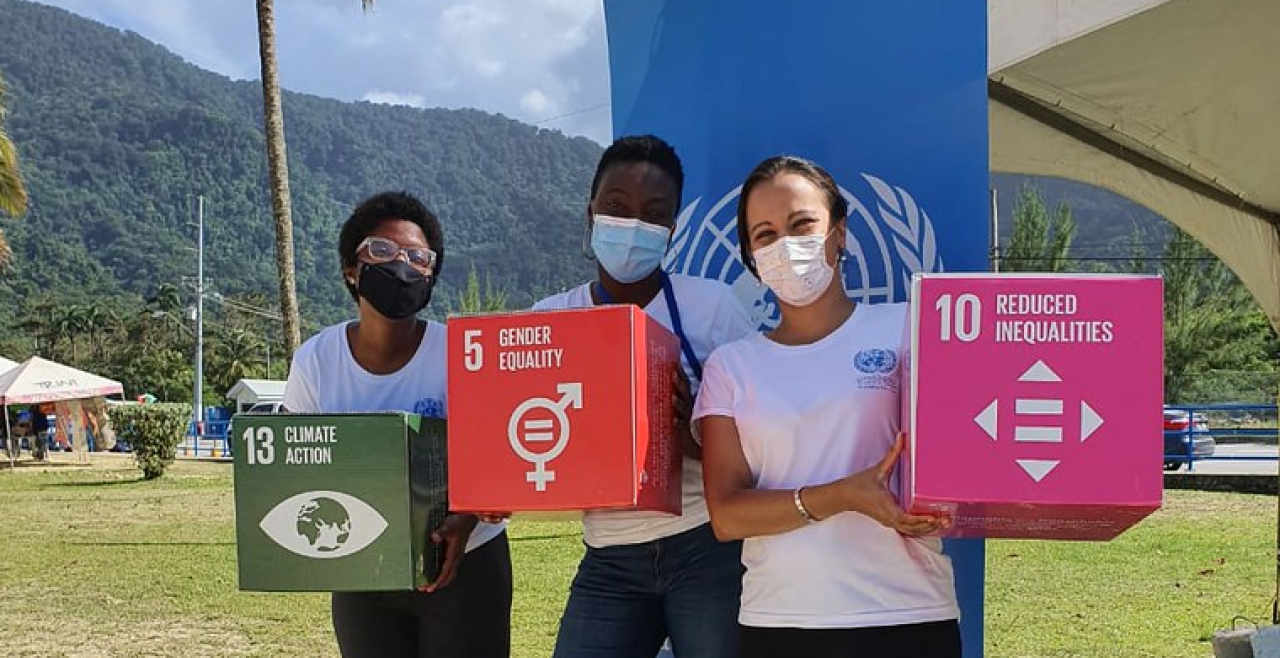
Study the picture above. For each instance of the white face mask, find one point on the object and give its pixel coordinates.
(795, 268)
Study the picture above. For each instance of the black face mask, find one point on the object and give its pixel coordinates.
(395, 289)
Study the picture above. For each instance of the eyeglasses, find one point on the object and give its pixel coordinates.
(382, 250)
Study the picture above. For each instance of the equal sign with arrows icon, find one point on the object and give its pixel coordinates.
(1039, 408)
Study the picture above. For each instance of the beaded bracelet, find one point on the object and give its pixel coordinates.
(804, 511)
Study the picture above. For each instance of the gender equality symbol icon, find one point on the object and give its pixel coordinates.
(1039, 408)
(528, 435)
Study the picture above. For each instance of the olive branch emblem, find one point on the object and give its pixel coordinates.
(913, 236)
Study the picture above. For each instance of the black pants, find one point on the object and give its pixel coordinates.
(931, 640)
(470, 618)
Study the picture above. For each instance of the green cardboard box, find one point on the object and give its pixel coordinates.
(338, 502)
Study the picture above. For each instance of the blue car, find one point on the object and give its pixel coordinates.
(1181, 429)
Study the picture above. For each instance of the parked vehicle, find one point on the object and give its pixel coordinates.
(266, 408)
(1181, 429)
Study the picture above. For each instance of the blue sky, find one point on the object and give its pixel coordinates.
(540, 61)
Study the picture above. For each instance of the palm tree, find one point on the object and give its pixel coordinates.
(238, 354)
(39, 320)
(166, 298)
(13, 194)
(92, 318)
(71, 322)
(278, 170)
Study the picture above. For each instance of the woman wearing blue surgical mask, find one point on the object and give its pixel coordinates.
(647, 576)
(801, 434)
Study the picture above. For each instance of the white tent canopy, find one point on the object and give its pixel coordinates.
(6, 365)
(1171, 103)
(40, 380)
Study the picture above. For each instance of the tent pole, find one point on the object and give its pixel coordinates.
(994, 232)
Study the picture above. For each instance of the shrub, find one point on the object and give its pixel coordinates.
(153, 431)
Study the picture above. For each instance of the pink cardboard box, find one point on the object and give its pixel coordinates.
(1033, 403)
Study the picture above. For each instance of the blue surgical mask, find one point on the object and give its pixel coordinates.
(628, 249)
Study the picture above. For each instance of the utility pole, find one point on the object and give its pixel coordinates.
(198, 411)
(994, 231)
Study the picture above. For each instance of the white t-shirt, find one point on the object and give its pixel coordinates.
(809, 415)
(325, 378)
(710, 317)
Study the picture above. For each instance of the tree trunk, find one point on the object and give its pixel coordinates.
(6, 254)
(278, 171)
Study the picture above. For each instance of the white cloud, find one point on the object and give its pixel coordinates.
(471, 18)
(533, 60)
(489, 68)
(392, 98)
(536, 103)
(210, 40)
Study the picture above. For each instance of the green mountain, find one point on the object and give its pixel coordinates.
(118, 136)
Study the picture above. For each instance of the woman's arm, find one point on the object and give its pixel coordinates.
(739, 510)
(682, 404)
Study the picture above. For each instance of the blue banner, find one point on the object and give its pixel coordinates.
(890, 97)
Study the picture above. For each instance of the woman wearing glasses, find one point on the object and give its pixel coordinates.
(391, 249)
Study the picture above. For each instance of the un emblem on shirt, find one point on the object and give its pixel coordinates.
(889, 237)
(876, 368)
(875, 361)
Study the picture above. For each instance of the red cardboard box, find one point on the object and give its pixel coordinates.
(1033, 403)
(562, 410)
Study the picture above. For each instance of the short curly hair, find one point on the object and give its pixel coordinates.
(641, 148)
(379, 208)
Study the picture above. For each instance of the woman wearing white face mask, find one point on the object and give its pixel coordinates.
(646, 575)
(800, 435)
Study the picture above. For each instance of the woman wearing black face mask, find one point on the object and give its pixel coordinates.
(391, 250)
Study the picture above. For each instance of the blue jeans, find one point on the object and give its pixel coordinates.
(626, 600)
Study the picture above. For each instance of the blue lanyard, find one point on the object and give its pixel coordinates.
(674, 309)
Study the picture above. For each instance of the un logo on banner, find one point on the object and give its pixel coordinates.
(884, 247)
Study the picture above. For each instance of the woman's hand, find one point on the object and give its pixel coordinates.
(452, 535)
(868, 493)
(682, 404)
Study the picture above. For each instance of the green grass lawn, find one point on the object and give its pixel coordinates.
(95, 563)
(1160, 589)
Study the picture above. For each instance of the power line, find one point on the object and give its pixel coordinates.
(572, 113)
(1107, 244)
(1112, 243)
(245, 307)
